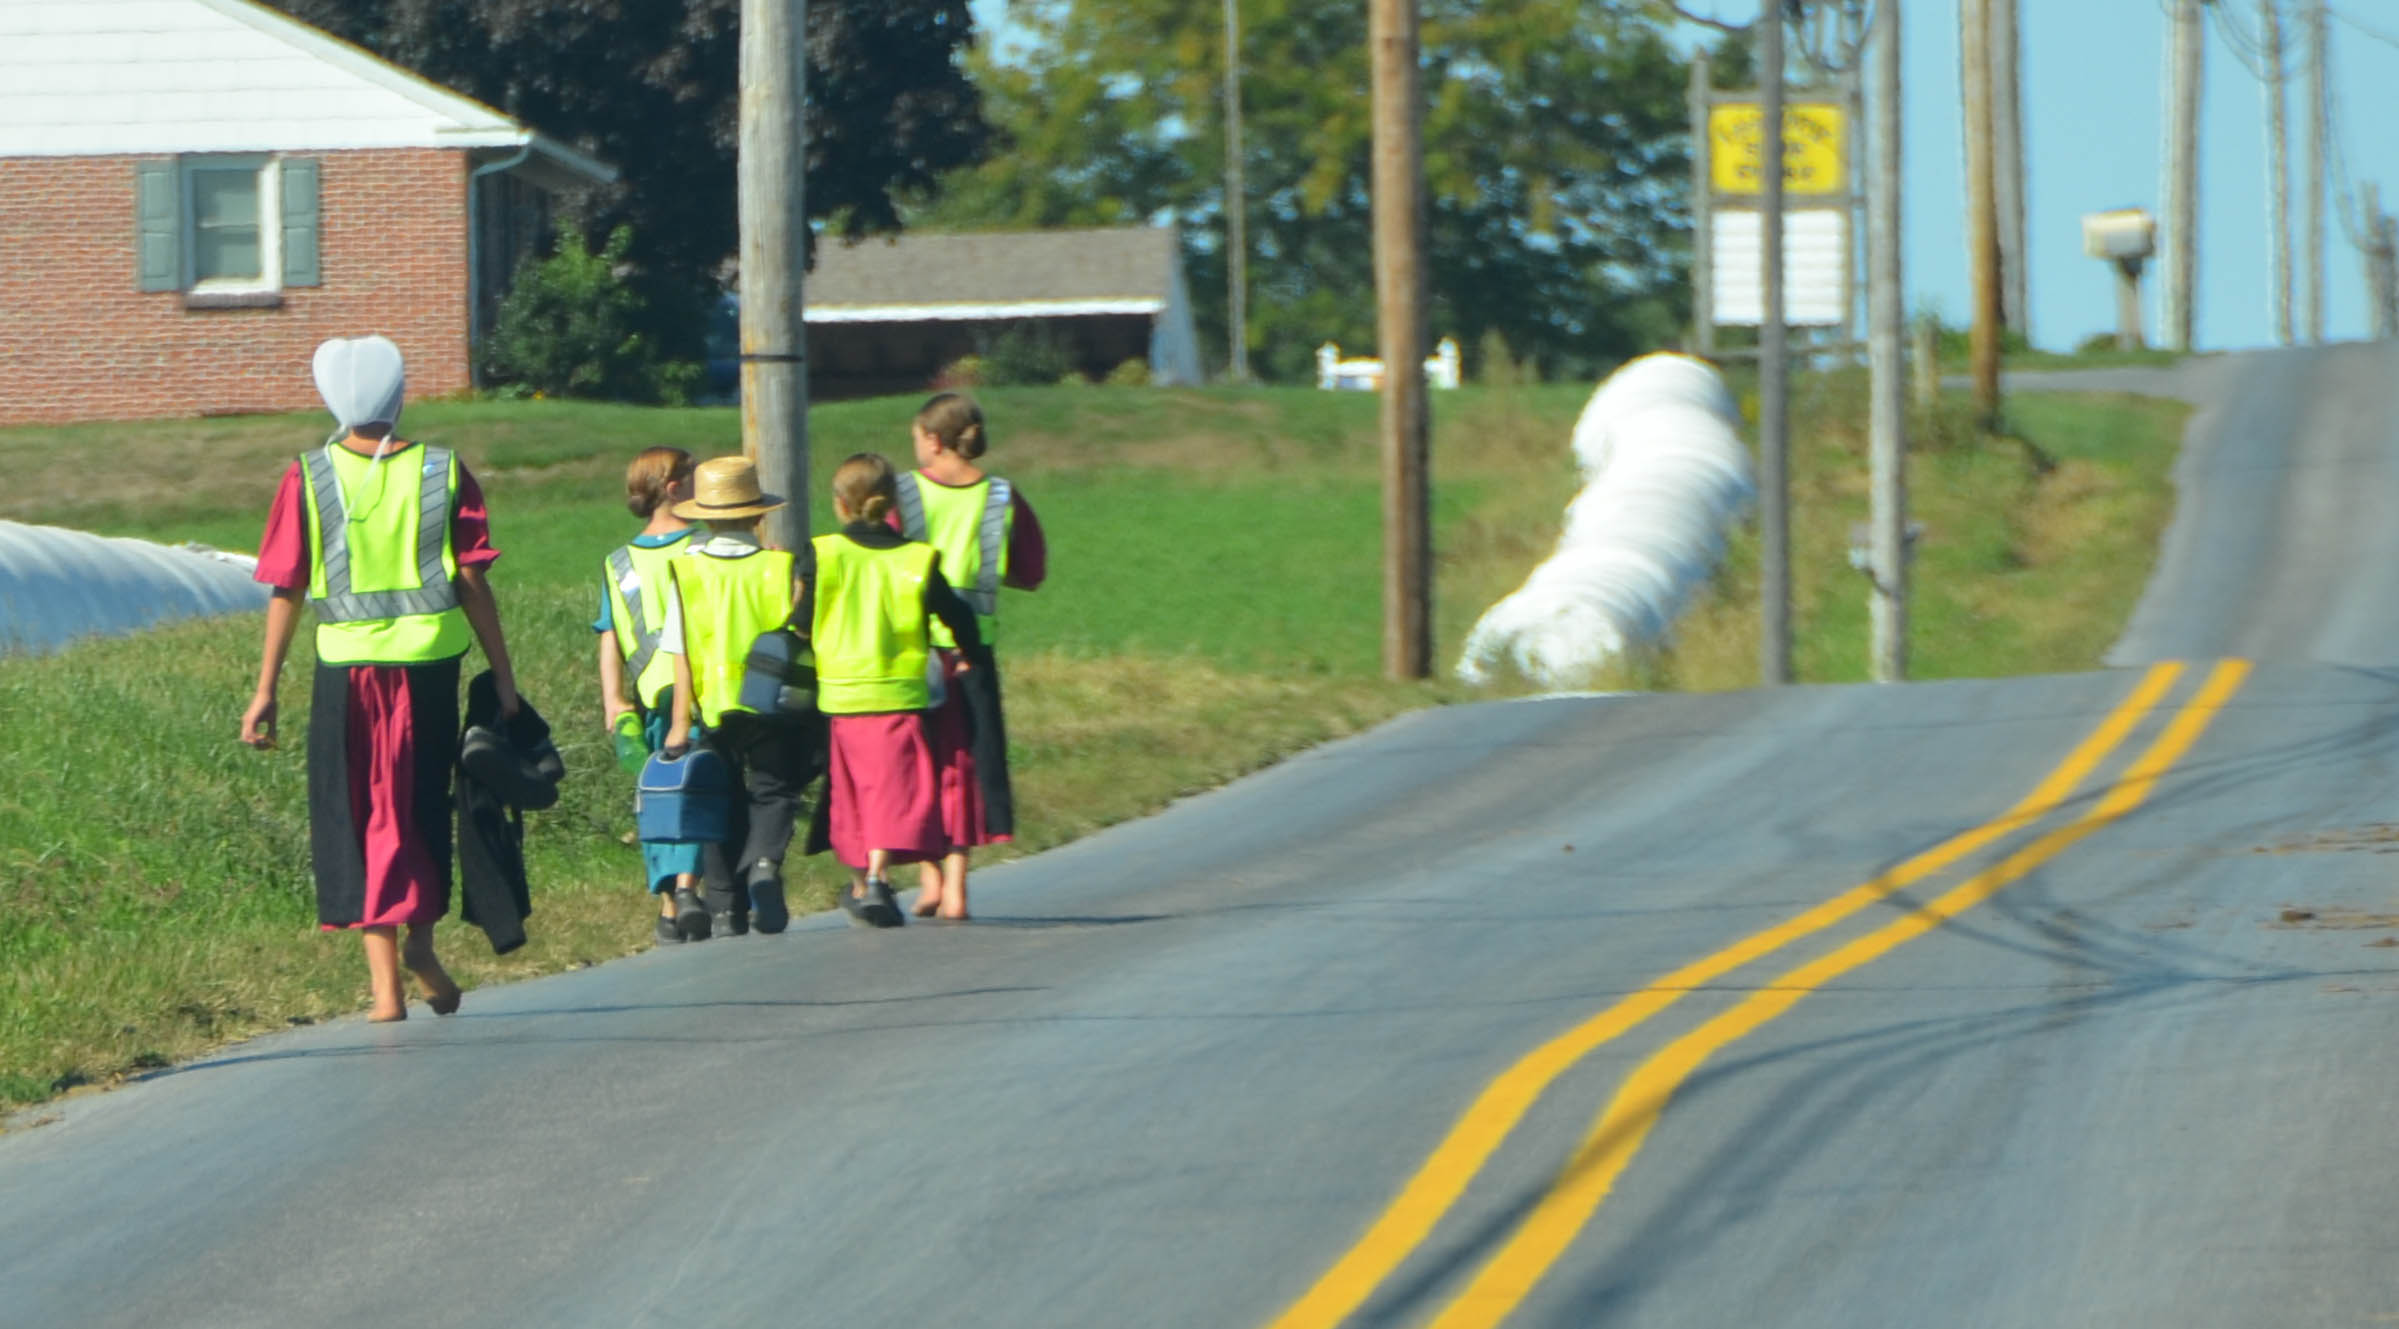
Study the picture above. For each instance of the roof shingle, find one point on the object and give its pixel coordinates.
(1129, 263)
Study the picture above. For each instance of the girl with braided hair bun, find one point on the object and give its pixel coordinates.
(871, 600)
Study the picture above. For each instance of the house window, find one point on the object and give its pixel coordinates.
(231, 224)
(227, 231)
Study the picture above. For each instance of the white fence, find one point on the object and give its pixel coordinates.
(1665, 475)
(57, 585)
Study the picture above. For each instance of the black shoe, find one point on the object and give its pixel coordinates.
(691, 917)
(883, 907)
(766, 896)
(856, 906)
(875, 909)
(668, 934)
(732, 923)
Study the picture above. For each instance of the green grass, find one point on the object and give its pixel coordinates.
(2035, 544)
(1214, 605)
(2105, 358)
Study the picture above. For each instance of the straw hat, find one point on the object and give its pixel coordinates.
(724, 488)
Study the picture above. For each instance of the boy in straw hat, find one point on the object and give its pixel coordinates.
(720, 597)
(387, 541)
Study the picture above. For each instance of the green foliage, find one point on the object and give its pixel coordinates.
(1027, 355)
(1555, 151)
(1957, 344)
(572, 327)
(652, 87)
(1133, 373)
(1498, 367)
(966, 371)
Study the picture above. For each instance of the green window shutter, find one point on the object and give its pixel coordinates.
(300, 229)
(158, 245)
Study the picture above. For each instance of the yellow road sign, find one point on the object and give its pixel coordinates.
(1815, 148)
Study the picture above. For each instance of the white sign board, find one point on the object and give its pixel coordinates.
(1815, 268)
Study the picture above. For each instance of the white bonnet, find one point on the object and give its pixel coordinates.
(362, 380)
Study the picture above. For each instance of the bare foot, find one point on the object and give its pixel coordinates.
(379, 1016)
(926, 905)
(441, 993)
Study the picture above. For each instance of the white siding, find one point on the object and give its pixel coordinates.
(121, 77)
(1174, 339)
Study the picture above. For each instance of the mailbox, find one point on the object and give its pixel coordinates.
(2119, 234)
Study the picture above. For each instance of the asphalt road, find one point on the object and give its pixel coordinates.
(2122, 1058)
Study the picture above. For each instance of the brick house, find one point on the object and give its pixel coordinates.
(887, 315)
(194, 193)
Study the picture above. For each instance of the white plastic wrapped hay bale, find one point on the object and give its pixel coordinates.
(1661, 380)
(1665, 476)
(57, 585)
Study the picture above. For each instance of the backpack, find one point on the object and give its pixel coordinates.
(778, 679)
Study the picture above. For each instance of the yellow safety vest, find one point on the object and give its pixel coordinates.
(727, 603)
(969, 525)
(382, 576)
(635, 578)
(869, 633)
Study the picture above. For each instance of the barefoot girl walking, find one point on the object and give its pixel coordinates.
(988, 538)
(387, 540)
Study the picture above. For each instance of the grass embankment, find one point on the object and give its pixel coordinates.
(1213, 607)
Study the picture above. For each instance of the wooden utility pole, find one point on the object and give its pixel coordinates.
(2386, 289)
(2009, 183)
(2381, 248)
(2278, 171)
(2319, 116)
(1702, 97)
(774, 258)
(1236, 205)
(1399, 283)
(2188, 35)
(1982, 210)
(1886, 321)
(1774, 487)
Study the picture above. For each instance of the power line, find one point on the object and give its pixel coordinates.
(2342, 187)
(2364, 28)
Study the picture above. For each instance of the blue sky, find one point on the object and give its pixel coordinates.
(2094, 97)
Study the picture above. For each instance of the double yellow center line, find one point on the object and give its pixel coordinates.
(1543, 1235)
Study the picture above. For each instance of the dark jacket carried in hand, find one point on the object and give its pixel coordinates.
(503, 769)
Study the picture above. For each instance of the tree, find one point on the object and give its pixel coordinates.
(1554, 142)
(652, 87)
(571, 328)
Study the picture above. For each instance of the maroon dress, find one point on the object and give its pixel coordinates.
(381, 743)
(949, 727)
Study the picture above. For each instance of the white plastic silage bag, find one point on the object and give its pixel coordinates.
(1665, 475)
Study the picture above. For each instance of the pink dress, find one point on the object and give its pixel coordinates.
(882, 789)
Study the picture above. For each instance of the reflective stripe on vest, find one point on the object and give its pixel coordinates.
(870, 628)
(434, 592)
(640, 621)
(963, 532)
(727, 603)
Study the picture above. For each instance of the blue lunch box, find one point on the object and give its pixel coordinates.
(684, 798)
